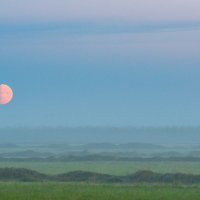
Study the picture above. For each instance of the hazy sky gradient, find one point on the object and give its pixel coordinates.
(100, 62)
(131, 10)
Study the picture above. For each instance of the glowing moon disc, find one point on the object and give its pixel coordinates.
(6, 94)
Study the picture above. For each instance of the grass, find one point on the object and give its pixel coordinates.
(83, 191)
(113, 168)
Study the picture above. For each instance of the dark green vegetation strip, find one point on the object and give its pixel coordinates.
(20, 174)
(80, 191)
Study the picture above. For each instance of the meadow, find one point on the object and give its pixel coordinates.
(83, 191)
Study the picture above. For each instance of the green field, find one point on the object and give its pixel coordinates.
(82, 191)
(113, 168)
(86, 191)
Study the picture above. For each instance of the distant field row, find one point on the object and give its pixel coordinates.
(67, 191)
(113, 168)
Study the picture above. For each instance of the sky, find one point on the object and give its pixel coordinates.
(100, 63)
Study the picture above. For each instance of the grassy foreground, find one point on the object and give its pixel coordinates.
(83, 191)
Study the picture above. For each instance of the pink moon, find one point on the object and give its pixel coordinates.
(6, 94)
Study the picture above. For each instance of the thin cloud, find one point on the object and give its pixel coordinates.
(96, 27)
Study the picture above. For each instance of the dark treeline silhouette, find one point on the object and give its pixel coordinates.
(20, 174)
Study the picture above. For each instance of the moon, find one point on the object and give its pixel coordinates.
(6, 94)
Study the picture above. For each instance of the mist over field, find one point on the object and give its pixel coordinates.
(155, 135)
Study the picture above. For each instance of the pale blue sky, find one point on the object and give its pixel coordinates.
(115, 63)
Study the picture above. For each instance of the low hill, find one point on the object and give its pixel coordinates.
(26, 154)
(20, 174)
(98, 157)
(87, 177)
